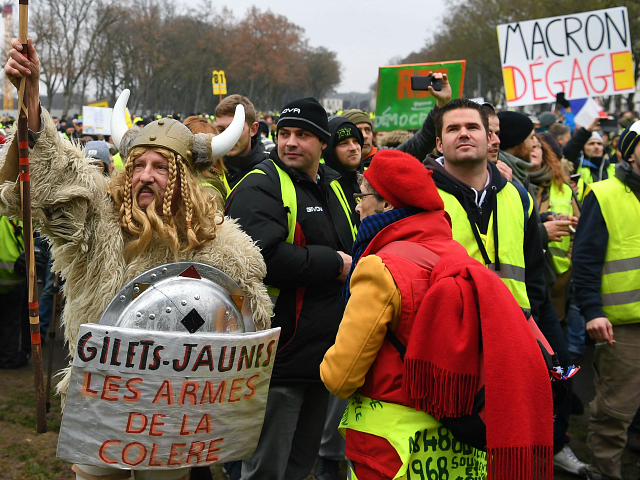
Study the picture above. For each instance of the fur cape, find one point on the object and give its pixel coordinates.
(71, 207)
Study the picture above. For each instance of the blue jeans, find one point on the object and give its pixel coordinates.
(576, 330)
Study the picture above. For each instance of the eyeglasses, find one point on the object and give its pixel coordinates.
(358, 196)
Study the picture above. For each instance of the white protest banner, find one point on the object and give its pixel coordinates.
(149, 400)
(96, 120)
(584, 55)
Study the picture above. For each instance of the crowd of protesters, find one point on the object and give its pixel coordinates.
(373, 243)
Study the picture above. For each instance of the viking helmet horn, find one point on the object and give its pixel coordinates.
(118, 119)
(221, 144)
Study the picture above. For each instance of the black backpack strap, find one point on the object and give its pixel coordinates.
(397, 344)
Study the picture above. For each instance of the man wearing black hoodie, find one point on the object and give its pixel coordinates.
(296, 211)
(475, 193)
(249, 151)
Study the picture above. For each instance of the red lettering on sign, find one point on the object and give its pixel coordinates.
(189, 389)
(251, 387)
(549, 89)
(109, 387)
(404, 84)
(213, 449)
(175, 455)
(195, 451)
(535, 80)
(183, 430)
(207, 392)
(152, 458)
(102, 452)
(143, 423)
(576, 67)
(142, 453)
(165, 391)
(156, 423)
(204, 425)
(136, 393)
(234, 389)
(86, 383)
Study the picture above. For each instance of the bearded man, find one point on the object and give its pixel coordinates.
(103, 233)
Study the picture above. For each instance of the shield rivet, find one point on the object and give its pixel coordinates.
(183, 303)
(139, 314)
(136, 290)
(168, 310)
(122, 298)
(164, 270)
(197, 297)
(152, 316)
(153, 276)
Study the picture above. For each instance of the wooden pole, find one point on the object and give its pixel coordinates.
(25, 190)
(52, 336)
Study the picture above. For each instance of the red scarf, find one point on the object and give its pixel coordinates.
(442, 366)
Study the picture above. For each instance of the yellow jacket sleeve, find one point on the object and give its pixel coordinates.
(373, 307)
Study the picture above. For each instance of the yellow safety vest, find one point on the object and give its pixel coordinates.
(223, 178)
(426, 448)
(290, 202)
(117, 162)
(585, 173)
(560, 250)
(620, 288)
(11, 246)
(511, 227)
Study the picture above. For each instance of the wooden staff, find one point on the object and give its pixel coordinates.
(52, 336)
(25, 190)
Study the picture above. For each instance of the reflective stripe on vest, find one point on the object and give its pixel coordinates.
(560, 250)
(290, 203)
(511, 226)
(620, 287)
(10, 249)
(425, 447)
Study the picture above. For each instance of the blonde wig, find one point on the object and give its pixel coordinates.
(191, 228)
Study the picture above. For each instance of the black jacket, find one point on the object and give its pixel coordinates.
(305, 274)
(240, 165)
(573, 152)
(533, 252)
(348, 179)
(587, 258)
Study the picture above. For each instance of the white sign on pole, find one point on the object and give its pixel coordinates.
(148, 400)
(96, 120)
(584, 55)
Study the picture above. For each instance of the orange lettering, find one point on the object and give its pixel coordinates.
(189, 389)
(234, 389)
(195, 453)
(109, 387)
(213, 449)
(102, 454)
(204, 425)
(142, 453)
(175, 454)
(207, 392)
(251, 387)
(404, 84)
(155, 423)
(166, 385)
(136, 393)
(152, 458)
(183, 431)
(86, 383)
(143, 423)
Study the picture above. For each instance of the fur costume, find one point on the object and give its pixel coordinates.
(72, 208)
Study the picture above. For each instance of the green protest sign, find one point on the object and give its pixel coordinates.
(398, 107)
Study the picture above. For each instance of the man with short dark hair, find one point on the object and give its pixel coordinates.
(474, 193)
(249, 151)
(295, 210)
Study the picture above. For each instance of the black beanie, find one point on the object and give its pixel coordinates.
(514, 129)
(340, 128)
(308, 114)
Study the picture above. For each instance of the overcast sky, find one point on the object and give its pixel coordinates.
(366, 34)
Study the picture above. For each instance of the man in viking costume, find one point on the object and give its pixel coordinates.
(103, 233)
